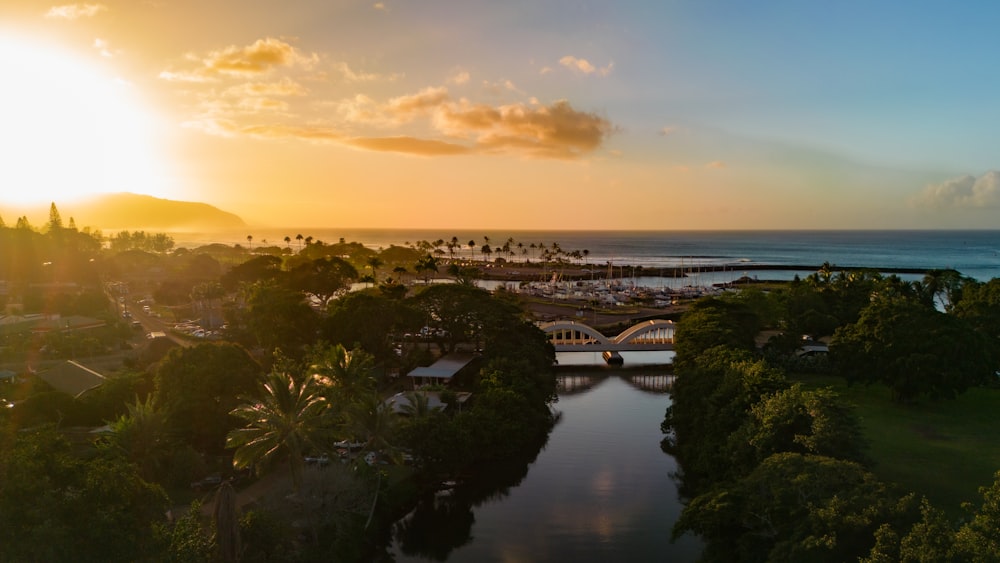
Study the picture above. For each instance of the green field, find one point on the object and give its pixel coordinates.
(945, 450)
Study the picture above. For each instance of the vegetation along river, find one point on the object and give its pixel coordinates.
(599, 490)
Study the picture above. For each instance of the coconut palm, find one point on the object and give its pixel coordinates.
(374, 262)
(288, 241)
(286, 419)
(142, 436)
(299, 238)
(343, 375)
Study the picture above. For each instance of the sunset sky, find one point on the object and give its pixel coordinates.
(514, 115)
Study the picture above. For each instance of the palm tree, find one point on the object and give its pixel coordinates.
(400, 271)
(472, 249)
(417, 404)
(142, 436)
(288, 241)
(287, 418)
(343, 375)
(426, 265)
(374, 262)
(227, 524)
(299, 238)
(250, 242)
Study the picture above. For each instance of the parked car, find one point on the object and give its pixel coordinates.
(209, 482)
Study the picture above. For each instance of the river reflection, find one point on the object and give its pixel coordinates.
(598, 491)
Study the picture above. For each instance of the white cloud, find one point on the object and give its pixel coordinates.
(460, 77)
(102, 46)
(74, 11)
(964, 192)
(585, 66)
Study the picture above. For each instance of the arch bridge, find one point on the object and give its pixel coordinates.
(571, 336)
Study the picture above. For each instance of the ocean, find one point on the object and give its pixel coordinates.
(973, 253)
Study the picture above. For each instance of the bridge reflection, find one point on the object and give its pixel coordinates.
(573, 383)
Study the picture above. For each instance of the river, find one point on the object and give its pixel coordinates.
(600, 489)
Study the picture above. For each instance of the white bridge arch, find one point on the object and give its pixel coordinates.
(571, 336)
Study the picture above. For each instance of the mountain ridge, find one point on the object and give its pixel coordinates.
(131, 211)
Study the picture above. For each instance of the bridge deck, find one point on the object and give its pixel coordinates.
(614, 347)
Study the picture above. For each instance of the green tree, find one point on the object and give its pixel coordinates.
(794, 507)
(426, 265)
(284, 419)
(344, 376)
(57, 506)
(142, 437)
(712, 395)
(199, 386)
(712, 322)
(368, 319)
(795, 420)
(323, 278)
(913, 349)
(278, 318)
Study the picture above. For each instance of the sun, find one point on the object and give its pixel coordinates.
(69, 130)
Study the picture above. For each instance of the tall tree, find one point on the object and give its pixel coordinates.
(198, 387)
(55, 223)
(284, 419)
(913, 349)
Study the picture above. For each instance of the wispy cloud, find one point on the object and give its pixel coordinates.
(964, 192)
(584, 66)
(257, 91)
(380, 6)
(351, 75)
(408, 145)
(103, 47)
(460, 77)
(284, 87)
(668, 130)
(74, 11)
(257, 58)
(716, 165)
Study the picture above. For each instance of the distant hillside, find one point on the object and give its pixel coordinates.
(134, 212)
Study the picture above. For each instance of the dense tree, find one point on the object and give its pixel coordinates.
(368, 319)
(142, 437)
(57, 507)
(276, 318)
(794, 507)
(259, 268)
(199, 386)
(711, 398)
(713, 322)
(979, 305)
(800, 421)
(913, 349)
(323, 278)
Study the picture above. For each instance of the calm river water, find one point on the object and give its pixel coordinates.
(600, 490)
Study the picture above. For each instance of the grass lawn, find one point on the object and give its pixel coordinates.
(945, 450)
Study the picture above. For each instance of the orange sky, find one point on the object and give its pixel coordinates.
(560, 115)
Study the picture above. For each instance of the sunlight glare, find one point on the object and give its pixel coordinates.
(68, 130)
